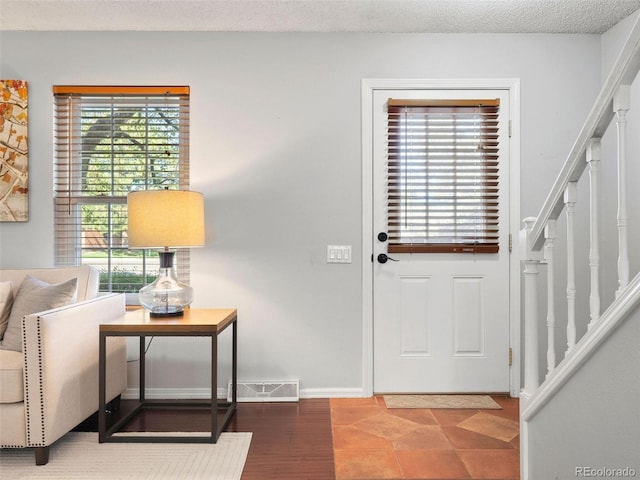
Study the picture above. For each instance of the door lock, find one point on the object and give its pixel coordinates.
(382, 236)
(384, 258)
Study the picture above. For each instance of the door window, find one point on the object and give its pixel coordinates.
(442, 175)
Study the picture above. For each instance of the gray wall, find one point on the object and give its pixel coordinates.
(276, 150)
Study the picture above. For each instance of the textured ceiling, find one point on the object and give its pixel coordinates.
(490, 16)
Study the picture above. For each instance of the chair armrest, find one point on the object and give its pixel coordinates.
(60, 349)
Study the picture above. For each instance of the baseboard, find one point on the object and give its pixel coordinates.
(332, 392)
(205, 393)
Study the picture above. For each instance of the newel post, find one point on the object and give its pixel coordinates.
(531, 362)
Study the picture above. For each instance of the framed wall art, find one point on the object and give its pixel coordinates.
(14, 152)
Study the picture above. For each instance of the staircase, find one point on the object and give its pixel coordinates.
(580, 416)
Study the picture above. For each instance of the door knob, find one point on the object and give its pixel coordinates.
(382, 236)
(384, 258)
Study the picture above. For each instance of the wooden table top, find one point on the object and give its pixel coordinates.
(194, 321)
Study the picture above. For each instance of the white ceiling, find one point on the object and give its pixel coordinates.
(486, 16)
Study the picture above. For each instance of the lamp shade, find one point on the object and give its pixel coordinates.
(165, 218)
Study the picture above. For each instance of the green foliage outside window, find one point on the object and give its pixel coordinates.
(135, 147)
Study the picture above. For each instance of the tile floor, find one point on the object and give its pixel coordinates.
(372, 442)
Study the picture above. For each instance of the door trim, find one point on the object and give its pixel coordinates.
(368, 87)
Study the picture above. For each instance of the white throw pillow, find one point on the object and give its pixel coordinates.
(6, 300)
(35, 296)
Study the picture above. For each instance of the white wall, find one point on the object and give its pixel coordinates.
(275, 148)
(593, 421)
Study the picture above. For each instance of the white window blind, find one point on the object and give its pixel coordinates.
(109, 141)
(443, 176)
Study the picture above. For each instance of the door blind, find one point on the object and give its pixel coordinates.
(443, 176)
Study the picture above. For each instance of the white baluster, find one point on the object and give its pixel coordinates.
(550, 235)
(531, 369)
(593, 159)
(621, 104)
(570, 194)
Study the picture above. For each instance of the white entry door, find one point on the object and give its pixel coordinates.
(441, 320)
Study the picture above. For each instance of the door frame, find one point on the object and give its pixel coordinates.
(368, 87)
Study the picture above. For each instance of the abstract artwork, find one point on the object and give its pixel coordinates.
(14, 159)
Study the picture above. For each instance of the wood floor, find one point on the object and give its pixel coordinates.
(291, 441)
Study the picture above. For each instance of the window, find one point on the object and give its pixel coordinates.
(442, 176)
(109, 141)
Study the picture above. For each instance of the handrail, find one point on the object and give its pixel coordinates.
(623, 72)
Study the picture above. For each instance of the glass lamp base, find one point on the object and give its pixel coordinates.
(166, 296)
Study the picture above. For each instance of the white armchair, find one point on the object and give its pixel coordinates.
(51, 386)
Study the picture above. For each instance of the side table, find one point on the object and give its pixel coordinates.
(195, 322)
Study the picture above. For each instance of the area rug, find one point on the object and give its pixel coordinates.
(78, 455)
(440, 401)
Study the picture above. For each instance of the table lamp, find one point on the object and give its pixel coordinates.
(165, 219)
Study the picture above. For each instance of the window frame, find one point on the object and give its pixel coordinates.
(70, 171)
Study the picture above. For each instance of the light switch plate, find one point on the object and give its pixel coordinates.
(338, 253)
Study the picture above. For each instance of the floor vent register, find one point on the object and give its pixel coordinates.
(266, 391)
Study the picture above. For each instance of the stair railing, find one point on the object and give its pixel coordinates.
(538, 237)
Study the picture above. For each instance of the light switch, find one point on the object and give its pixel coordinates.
(338, 253)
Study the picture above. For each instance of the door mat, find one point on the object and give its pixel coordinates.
(441, 401)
